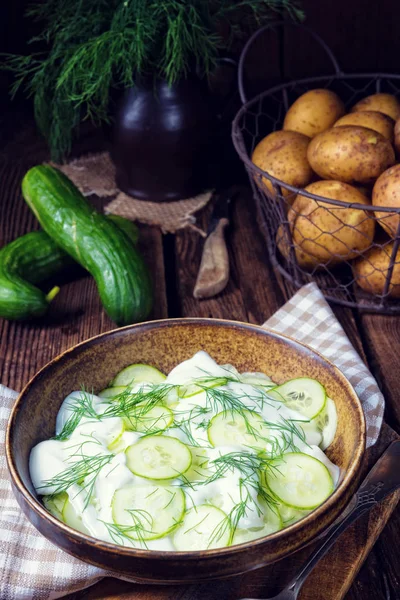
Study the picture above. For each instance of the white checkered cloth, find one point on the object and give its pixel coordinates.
(31, 568)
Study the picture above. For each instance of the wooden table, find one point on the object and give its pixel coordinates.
(253, 294)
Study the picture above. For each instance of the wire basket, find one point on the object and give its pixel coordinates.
(354, 262)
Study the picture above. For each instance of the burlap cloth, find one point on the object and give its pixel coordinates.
(95, 174)
(31, 568)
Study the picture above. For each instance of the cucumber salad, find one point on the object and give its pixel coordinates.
(205, 457)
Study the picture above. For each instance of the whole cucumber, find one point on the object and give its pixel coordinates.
(93, 241)
(33, 258)
(23, 262)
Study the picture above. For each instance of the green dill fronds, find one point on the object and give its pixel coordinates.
(95, 46)
(82, 472)
(81, 407)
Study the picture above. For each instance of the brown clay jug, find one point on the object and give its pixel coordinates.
(163, 137)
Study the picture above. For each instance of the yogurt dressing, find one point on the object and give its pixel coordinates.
(95, 436)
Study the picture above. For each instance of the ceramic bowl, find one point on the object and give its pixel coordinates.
(164, 344)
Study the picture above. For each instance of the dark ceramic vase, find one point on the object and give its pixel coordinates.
(163, 139)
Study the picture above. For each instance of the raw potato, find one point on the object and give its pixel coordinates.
(283, 154)
(372, 120)
(314, 112)
(386, 192)
(350, 154)
(327, 234)
(384, 103)
(370, 271)
(304, 260)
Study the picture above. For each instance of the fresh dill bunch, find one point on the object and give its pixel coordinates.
(94, 46)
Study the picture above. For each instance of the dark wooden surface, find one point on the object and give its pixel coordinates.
(253, 294)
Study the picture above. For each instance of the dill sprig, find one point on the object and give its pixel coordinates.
(142, 524)
(94, 46)
(81, 407)
(137, 403)
(83, 472)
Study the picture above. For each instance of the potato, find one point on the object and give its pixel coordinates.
(384, 103)
(314, 112)
(350, 154)
(397, 137)
(370, 271)
(386, 192)
(370, 119)
(283, 154)
(304, 260)
(326, 234)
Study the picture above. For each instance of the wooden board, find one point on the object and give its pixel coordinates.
(253, 294)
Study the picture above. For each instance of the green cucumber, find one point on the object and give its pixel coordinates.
(93, 241)
(326, 422)
(151, 511)
(55, 504)
(192, 389)
(72, 518)
(138, 373)
(306, 396)
(238, 429)
(300, 481)
(31, 259)
(203, 527)
(111, 392)
(146, 420)
(158, 457)
(271, 522)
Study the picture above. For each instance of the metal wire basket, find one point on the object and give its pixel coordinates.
(366, 275)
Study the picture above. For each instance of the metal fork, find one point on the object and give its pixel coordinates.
(383, 479)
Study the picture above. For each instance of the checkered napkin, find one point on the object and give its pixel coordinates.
(31, 568)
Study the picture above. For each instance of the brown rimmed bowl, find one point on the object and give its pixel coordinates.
(165, 344)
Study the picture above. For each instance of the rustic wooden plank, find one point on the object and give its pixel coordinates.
(228, 304)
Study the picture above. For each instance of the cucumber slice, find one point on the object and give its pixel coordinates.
(138, 374)
(326, 421)
(271, 522)
(290, 515)
(199, 469)
(300, 481)
(238, 429)
(158, 457)
(203, 527)
(258, 380)
(191, 389)
(111, 392)
(152, 511)
(72, 518)
(55, 504)
(157, 418)
(306, 396)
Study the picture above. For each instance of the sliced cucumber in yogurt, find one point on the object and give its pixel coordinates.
(146, 420)
(306, 396)
(138, 373)
(148, 512)
(246, 428)
(72, 518)
(55, 504)
(203, 527)
(299, 480)
(326, 421)
(158, 457)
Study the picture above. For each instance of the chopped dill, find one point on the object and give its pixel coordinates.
(80, 407)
